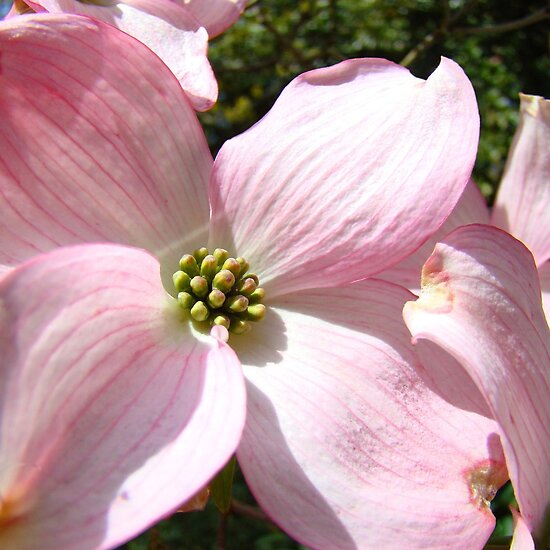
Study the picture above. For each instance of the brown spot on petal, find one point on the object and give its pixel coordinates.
(484, 480)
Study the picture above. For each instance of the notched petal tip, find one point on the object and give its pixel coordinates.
(535, 106)
(436, 294)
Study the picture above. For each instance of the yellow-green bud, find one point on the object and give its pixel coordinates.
(200, 254)
(252, 276)
(236, 304)
(185, 300)
(222, 320)
(245, 266)
(224, 280)
(232, 265)
(238, 326)
(257, 296)
(199, 285)
(218, 289)
(209, 266)
(189, 265)
(247, 286)
(255, 312)
(216, 298)
(199, 312)
(221, 255)
(181, 281)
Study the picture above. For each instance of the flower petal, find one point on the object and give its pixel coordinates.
(165, 27)
(113, 413)
(215, 15)
(471, 208)
(354, 167)
(481, 302)
(96, 142)
(544, 276)
(344, 443)
(522, 539)
(522, 205)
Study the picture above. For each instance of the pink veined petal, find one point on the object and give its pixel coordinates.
(544, 276)
(215, 15)
(354, 167)
(344, 445)
(97, 142)
(113, 413)
(165, 27)
(481, 302)
(471, 208)
(522, 539)
(522, 205)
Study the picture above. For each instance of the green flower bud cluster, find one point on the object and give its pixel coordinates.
(218, 289)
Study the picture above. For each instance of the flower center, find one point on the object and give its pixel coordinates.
(219, 290)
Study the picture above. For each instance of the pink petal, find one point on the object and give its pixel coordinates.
(215, 15)
(544, 276)
(165, 27)
(522, 206)
(113, 413)
(522, 539)
(481, 302)
(96, 142)
(344, 444)
(471, 208)
(353, 168)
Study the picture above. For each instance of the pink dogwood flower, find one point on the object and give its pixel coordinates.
(118, 404)
(176, 30)
(481, 301)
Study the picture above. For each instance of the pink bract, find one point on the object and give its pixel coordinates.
(482, 293)
(115, 409)
(176, 30)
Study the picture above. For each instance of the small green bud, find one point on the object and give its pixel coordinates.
(247, 286)
(216, 298)
(257, 296)
(224, 280)
(232, 265)
(255, 312)
(221, 255)
(252, 276)
(238, 326)
(222, 320)
(189, 265)
(236, 304)
(245, 266)
(181, 281)
(185, 300)
(209, 267)
(219, 289)
(199, 285)
(199, 312)
(200, 254)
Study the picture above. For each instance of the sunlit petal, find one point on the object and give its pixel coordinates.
(113, 413)
(354, 167)
(94, 149)
(522, 205)
(481, 302)
(344, 442)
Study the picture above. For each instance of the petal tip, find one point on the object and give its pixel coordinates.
(220, 333)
